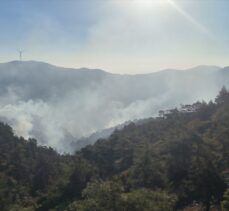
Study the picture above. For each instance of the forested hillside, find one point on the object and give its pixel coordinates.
(177, 161)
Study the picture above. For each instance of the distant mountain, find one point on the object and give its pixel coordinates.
(60, 105)
(38, 80)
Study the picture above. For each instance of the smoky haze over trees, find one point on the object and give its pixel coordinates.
(178, 161)
(59, 106)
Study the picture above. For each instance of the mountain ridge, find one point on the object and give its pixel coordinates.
(17, 62)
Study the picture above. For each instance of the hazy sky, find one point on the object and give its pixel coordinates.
(126, 36)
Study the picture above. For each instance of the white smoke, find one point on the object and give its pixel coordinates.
(57, 114)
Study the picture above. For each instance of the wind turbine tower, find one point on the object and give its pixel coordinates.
(20, 54)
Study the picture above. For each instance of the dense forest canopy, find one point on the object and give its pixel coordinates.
(176, 161)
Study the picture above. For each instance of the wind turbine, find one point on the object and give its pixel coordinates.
(20, 54)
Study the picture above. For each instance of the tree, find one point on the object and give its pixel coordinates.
(206, 185)
(82, 174)
(99, 196)
(225, 202)
(149, 200)
(223, 96)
